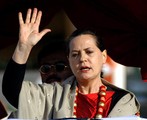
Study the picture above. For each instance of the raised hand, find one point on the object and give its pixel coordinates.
(29, 29)
(29, 35)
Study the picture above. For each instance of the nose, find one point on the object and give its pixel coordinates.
(83, 57)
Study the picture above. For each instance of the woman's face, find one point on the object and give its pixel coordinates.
(85, 57)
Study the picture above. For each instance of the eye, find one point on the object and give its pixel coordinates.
(89, 52)
(74, 54)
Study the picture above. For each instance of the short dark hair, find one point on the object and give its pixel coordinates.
(99, 39)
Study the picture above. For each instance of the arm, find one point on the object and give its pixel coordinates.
(29, 36)
(12, 81)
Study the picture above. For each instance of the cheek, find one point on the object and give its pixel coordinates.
(97, 60)
(70, 59)
(72, 64)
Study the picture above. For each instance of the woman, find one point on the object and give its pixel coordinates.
(84, 95)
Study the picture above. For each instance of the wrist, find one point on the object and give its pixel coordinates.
(21, 53)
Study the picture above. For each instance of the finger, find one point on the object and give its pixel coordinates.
(38, 19)
(43, 32)
(28, 16)
(20, 18)
(34, 15)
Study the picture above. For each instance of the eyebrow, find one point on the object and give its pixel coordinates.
(84, 49)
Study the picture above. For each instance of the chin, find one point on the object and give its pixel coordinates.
(84, 78)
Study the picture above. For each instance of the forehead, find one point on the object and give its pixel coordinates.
(83, 40)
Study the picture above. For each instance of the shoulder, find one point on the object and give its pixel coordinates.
(119, 92)
(127, 105)
(114, 87)
(122, 100)
(32, 89)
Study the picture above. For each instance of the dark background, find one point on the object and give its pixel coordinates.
(122, 23)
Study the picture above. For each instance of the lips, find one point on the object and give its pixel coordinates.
(85, 68)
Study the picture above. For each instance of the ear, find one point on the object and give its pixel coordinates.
(104, 54)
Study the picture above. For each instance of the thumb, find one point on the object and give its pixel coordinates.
(43, 32)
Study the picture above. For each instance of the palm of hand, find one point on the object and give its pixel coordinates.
(29, 30)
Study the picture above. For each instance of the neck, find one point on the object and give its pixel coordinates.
(89, 87)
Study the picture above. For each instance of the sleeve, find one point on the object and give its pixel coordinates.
(12, 81)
